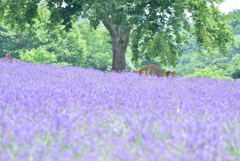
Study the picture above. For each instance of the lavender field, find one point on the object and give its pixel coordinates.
(57, 113)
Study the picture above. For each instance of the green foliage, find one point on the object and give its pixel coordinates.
(11, 42)
(81, 46)
(210, 72)
(234, 21)
(63, 64)
(38, 55)
(236, 74)
(184, 18)
(164, 48)
(236, 48)
(98, 46)
(188, 62)
(151, 22)
(70, 49)
(234, 64)
(191, 60)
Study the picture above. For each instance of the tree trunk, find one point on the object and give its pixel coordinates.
(120, 40)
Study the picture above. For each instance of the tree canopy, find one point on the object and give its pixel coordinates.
(157, 28)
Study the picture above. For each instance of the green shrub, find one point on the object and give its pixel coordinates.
(210, 72)
(64, 64)
(236, 74)
(38, 55)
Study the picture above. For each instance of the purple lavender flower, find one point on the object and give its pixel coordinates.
(51, 113)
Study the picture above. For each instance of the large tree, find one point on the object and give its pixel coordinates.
(157, 27)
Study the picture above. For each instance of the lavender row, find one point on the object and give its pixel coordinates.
(53, 113)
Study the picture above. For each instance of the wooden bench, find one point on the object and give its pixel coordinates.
(152, 69)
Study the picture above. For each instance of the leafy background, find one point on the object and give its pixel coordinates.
(86, 47)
